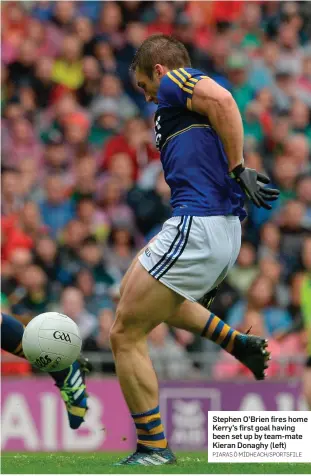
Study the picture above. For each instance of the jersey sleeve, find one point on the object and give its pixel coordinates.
(176, 87)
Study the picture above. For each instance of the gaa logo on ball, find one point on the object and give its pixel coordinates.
(61, 336)
(52, 341)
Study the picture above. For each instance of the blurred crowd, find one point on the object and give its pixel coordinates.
(82, 186)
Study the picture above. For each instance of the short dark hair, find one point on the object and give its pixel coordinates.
(162, 49)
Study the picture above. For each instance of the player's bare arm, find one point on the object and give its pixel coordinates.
(219, 106)
(215, 102)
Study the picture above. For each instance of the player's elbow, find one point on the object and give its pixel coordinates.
(226, 99)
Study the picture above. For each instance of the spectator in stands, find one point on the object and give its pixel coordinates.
(56, 210)
(94, 219)
(273, 269)
(169, 358)
(76, 130)
(12, 284)
(30, 220)
(151, 207)
(304, 83)
(135, 141)
(90, 87)
(246, 269)
(42, 83)
(107, 277)
(13, 237)
(238, 76)
(111, 88)
(96, 298)
(106, 123)
(121, 166)
(100, 342)
(122, 248)
(105, 55)
(300, 118)
(84, 29)
(22, 143)
(270, 241)
(263, 67)
(110, 22)
(67, 69)
(261, 298)
(36, 298)
(56, 160)
(72, 304)
(111, 200)
(294, 306)
(21, 71)
(74, 234)
(293, 233)
(285, 173)
(46, 256)
(11, 200)
(29, 180)
(297, 148)
(304, 196)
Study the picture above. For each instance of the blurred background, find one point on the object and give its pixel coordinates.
(83, 191)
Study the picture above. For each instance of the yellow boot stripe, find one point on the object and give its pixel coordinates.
(77, 411)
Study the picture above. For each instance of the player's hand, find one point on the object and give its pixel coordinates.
(252, 183)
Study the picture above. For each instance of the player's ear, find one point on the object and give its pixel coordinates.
(159, 71)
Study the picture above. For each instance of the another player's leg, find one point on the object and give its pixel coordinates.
(71, 381)
(12, 332)
(137, 314)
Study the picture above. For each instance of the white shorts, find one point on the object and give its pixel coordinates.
(192, 255)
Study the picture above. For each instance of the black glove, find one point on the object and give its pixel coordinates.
(248, 180)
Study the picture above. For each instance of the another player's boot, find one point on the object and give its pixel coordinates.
(73, 391)
(145, 456)
(252, 351)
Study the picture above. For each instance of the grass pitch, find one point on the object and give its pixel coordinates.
(102, 463)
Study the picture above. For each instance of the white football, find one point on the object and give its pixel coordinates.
(51, 341)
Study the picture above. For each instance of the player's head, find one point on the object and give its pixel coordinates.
(157, 55)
